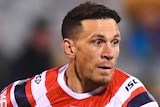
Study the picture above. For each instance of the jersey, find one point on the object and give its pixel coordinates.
(48, 89)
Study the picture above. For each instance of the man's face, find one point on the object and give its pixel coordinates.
(97, 50)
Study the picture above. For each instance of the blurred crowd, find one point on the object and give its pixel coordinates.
(143, 43)
(30, 38)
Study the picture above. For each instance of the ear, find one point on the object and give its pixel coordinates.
(68, 48)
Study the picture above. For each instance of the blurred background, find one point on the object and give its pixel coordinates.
(30, 38)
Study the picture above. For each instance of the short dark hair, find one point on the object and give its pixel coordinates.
(88, 10)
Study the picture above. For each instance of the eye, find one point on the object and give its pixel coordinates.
(98, 42)
(115, 42)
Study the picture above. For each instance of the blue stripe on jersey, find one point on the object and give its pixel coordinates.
(140, 100)
(20, 95)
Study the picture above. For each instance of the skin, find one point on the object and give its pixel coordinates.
(93, 55)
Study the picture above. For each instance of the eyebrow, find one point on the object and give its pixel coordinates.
(102, 36)
(117, 35)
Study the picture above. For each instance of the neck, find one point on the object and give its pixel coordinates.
(75, 83)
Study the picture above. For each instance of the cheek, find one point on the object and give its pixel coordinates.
(83, 52)
(117, 53)
(87, 56)
(83, 57)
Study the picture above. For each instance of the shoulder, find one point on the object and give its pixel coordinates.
(11, 95)
(27, 91)
(131, 91)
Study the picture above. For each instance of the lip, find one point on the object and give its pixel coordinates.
(105, 68)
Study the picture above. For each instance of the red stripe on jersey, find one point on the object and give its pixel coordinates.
(29, 93)
(117, 80)
(51, 84)
(56, 96)
(135, 93)
(5, 100)
(8, 96)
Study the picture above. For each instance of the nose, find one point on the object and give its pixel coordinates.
(108, 52)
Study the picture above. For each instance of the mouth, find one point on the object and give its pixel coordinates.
(104, 67)
(105, 70)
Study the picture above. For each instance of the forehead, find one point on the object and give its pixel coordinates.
(100, 26)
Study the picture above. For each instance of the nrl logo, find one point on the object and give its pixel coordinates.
(38, 79)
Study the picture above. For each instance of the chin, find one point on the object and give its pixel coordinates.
(103, 81)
